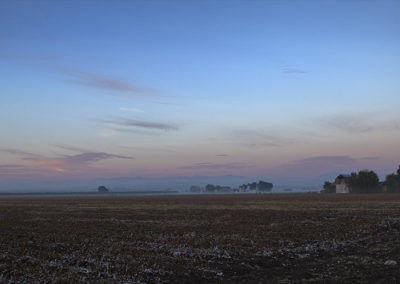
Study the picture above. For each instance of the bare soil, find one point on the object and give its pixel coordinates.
(307, 238)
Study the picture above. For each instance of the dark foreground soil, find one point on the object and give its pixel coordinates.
(201, 239)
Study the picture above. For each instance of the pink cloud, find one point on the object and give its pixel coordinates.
(66, 164)
(69, 163)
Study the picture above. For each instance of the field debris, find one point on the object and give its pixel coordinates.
(390, 262)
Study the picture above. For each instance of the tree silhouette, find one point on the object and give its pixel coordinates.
(253, 186)
(102, 188)
(210, 188)
(264, 186)
(364, 182)
(392, 183)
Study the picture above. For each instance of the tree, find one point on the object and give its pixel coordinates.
(364, 182)
(253, 186)
(210, 188)
(102, 188)
(368, 180)
(398, 172)
(393, 183)
(329, 187)
(264, 186)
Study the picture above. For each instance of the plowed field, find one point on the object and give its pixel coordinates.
(201, 239)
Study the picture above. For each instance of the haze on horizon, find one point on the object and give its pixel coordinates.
(274, 89)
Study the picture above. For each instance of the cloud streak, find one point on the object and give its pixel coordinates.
(18, 152)
(130, 109)
(62, 164)
(255, 139)
(71, 148)
(371, 158)
(290, 69)
(293, 70)
(360, 123)
(348, 123)
(103, 82)
(117, 87)
(212, 166)
(339, 160)
(72, 162)
(134, 124)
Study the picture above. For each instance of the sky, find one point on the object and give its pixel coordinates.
(108, 89)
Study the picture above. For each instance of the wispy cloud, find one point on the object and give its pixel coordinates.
(19, 152)
(64, 163)
(348, 123)
(288, 69)
(221, 155)
(129, 109)
(109, 130)
(327, 160)
(125, 124)
(212, 166)
(104, 82)
(117, 87)
(371, 158)
(253, 139)
(166, 149)
(359, 123)
(71, 162)
(71, 148)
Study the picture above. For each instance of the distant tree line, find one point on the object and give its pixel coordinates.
(261, 186)
(366, 181)
(217, 188)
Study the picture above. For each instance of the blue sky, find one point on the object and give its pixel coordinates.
(167, 88)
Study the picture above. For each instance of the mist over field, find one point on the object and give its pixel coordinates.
(181, 184)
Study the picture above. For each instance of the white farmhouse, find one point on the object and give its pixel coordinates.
(341, 184)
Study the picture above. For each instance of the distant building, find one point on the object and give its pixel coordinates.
(242, 188)
(341, 184)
